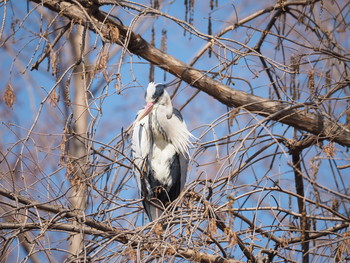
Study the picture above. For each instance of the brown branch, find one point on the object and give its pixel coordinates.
(205, 258)
(92, 227)
(299, 186)
(320, 233)
(50, 46)
(54, 226)
(114, 31)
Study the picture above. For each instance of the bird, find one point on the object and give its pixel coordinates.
(160, 149)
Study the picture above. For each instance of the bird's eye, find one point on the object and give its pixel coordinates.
(158, 92)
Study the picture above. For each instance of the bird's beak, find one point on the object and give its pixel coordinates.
(146, 110)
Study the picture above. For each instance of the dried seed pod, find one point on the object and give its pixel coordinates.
(9, 96)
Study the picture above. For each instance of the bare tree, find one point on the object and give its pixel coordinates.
(264, 88)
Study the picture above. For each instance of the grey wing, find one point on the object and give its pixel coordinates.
(183, 160)
(140, 139)
(140, 147)
(178, 114)
(184, 166)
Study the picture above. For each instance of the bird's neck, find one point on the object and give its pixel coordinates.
(160, 114)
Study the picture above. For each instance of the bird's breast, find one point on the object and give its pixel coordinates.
(162, 157)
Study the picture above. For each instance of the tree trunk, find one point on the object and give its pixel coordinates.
(78, 146)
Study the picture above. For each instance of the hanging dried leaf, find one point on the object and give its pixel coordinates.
(189, 12)
(158, 229)
(151, 69)
(63, 150)
(348, 118)
(212, 229)
(328, 79)
(192, 4)
(117, 84)
(232, 116)
(67, 131)
(188, 231)
(329, 149)
(153, 36)
(335, 205)
(311, 81)
(67, 92)
(113, 33)
(75, 180)
(186, 10)
(231, 236)
(163, 43)
(131, 254)
(164, 46)
(117, 88)
(155, 4)
(295, 64)
(53, 62)
(343, 249)
(210, 32)
(315, 167)
(9, 96)
(101, 63)
(54, 98)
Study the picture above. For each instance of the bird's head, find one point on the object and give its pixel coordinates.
(155, 94)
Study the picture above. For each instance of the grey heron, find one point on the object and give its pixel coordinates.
(160, 147)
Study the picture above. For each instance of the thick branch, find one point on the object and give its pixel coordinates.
(110, 29)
